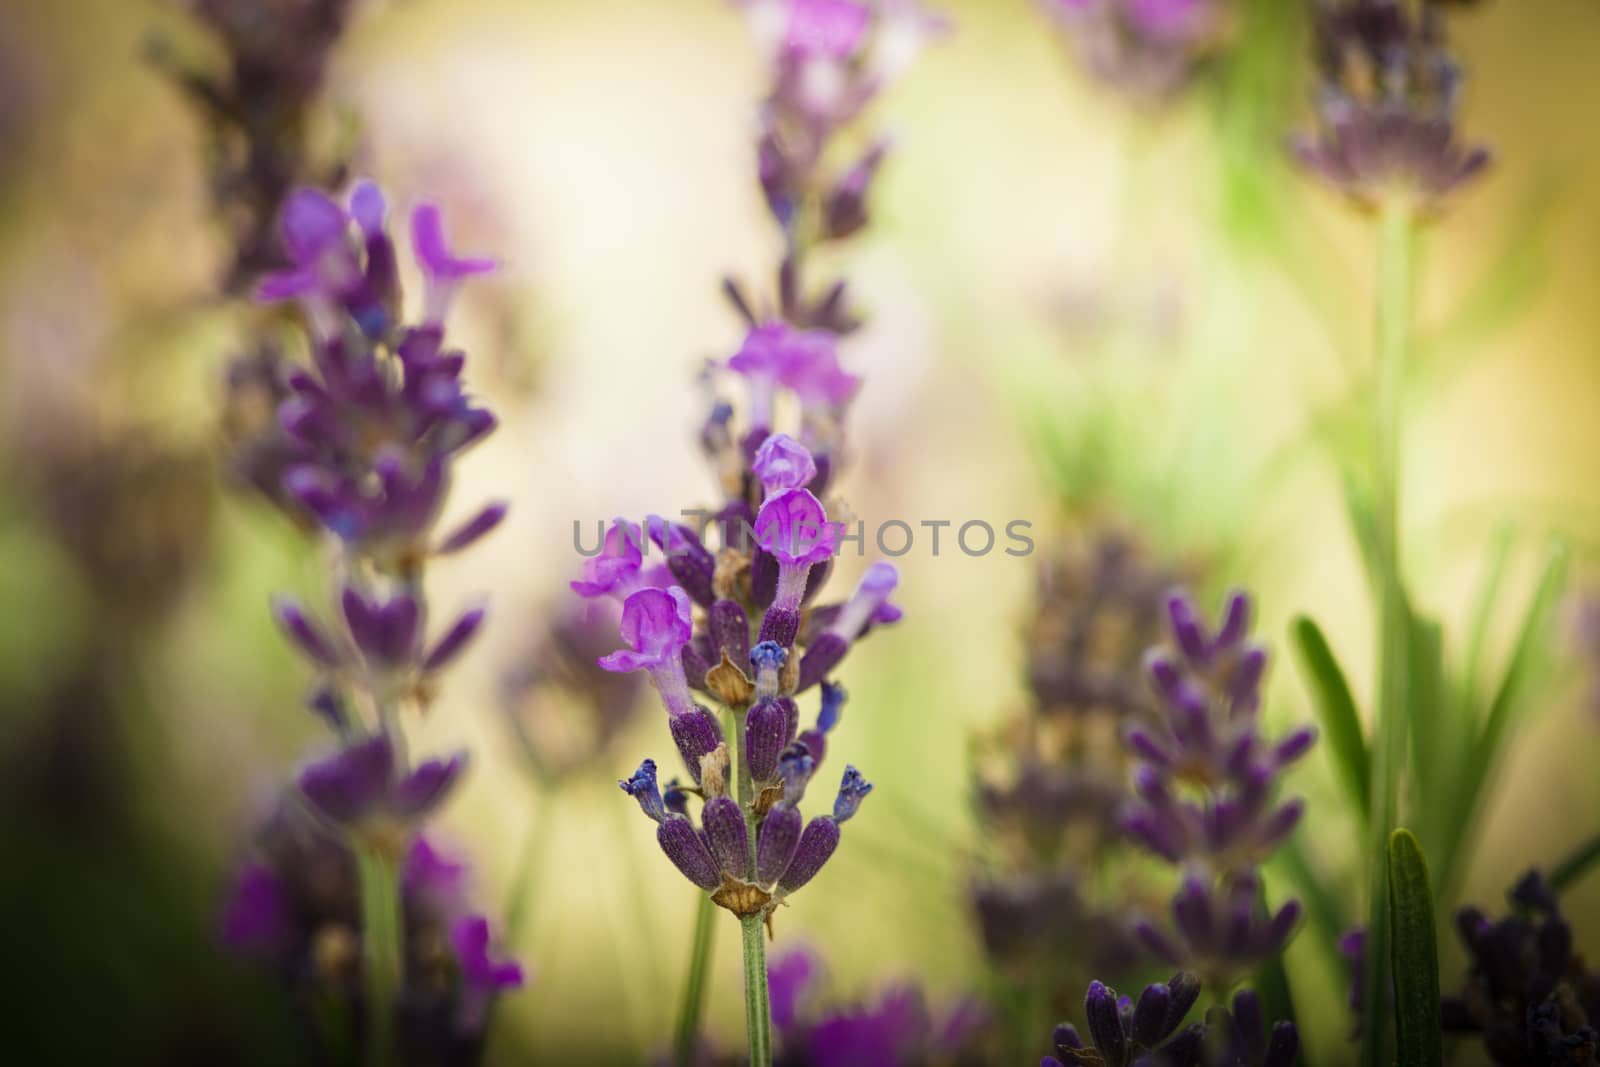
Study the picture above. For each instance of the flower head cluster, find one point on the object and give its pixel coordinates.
(1528, 993)
(1206, 780)
(1149, 1031)
(1052, 782)
(295, 906)
(376, 424)
(1146, 49)
(259, 110)
(1387, 105)
(744, 627)
(828, 60)
(379, 419)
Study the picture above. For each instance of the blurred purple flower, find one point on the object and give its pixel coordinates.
(1386, 105)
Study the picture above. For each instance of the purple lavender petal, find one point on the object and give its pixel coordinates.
(470, 939)
(433, 876)
(726, 834)
(793, 527)
(688, 852)
(255, 917)
(426, 787)
(398, 623)
(783, 463)
(433, 253)
(307, 636)
(471, 531)
(311, 224)
(696, 734)
(789, 976)
(1105, 1023)
(776, 843)
(817, 843)
(766, 735)
(1148, 1024)
(455, 639)
(350, 783)
(730, 630)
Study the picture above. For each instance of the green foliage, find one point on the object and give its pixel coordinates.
(1336, 710)
(1415, 956)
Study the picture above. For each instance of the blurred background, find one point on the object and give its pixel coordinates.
(1074, 306)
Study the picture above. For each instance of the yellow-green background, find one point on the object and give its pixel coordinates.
(601, 149)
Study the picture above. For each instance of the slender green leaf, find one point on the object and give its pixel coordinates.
(1494, 577)
(1519, 668)
(1336, 709)
(1507, 700)
(1418, 1038)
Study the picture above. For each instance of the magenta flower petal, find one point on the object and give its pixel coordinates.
(479, 970)
(434, 255)
(256, 915)
(425, 788)
(471, 531)
(368, 207)
(793, 527)
(784, 463)
(826, 29)
(311, 224)
(615, 571)
(656, 623)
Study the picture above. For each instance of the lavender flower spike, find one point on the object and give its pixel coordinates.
(656, 625)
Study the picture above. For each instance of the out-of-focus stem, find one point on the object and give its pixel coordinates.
(383, 948)
(757, 1010)
(1577, 863)
(1396, 242)
(694, 987)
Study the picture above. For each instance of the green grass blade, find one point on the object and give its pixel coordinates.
(1336, 709)
(1508, 698)
(1494, 577)
(1418, 1038)
(1577, 863)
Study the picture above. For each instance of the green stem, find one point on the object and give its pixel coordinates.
(1577, 863)
(757, 1011)
(694, 989)
(1395, 271)
(382, 941)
